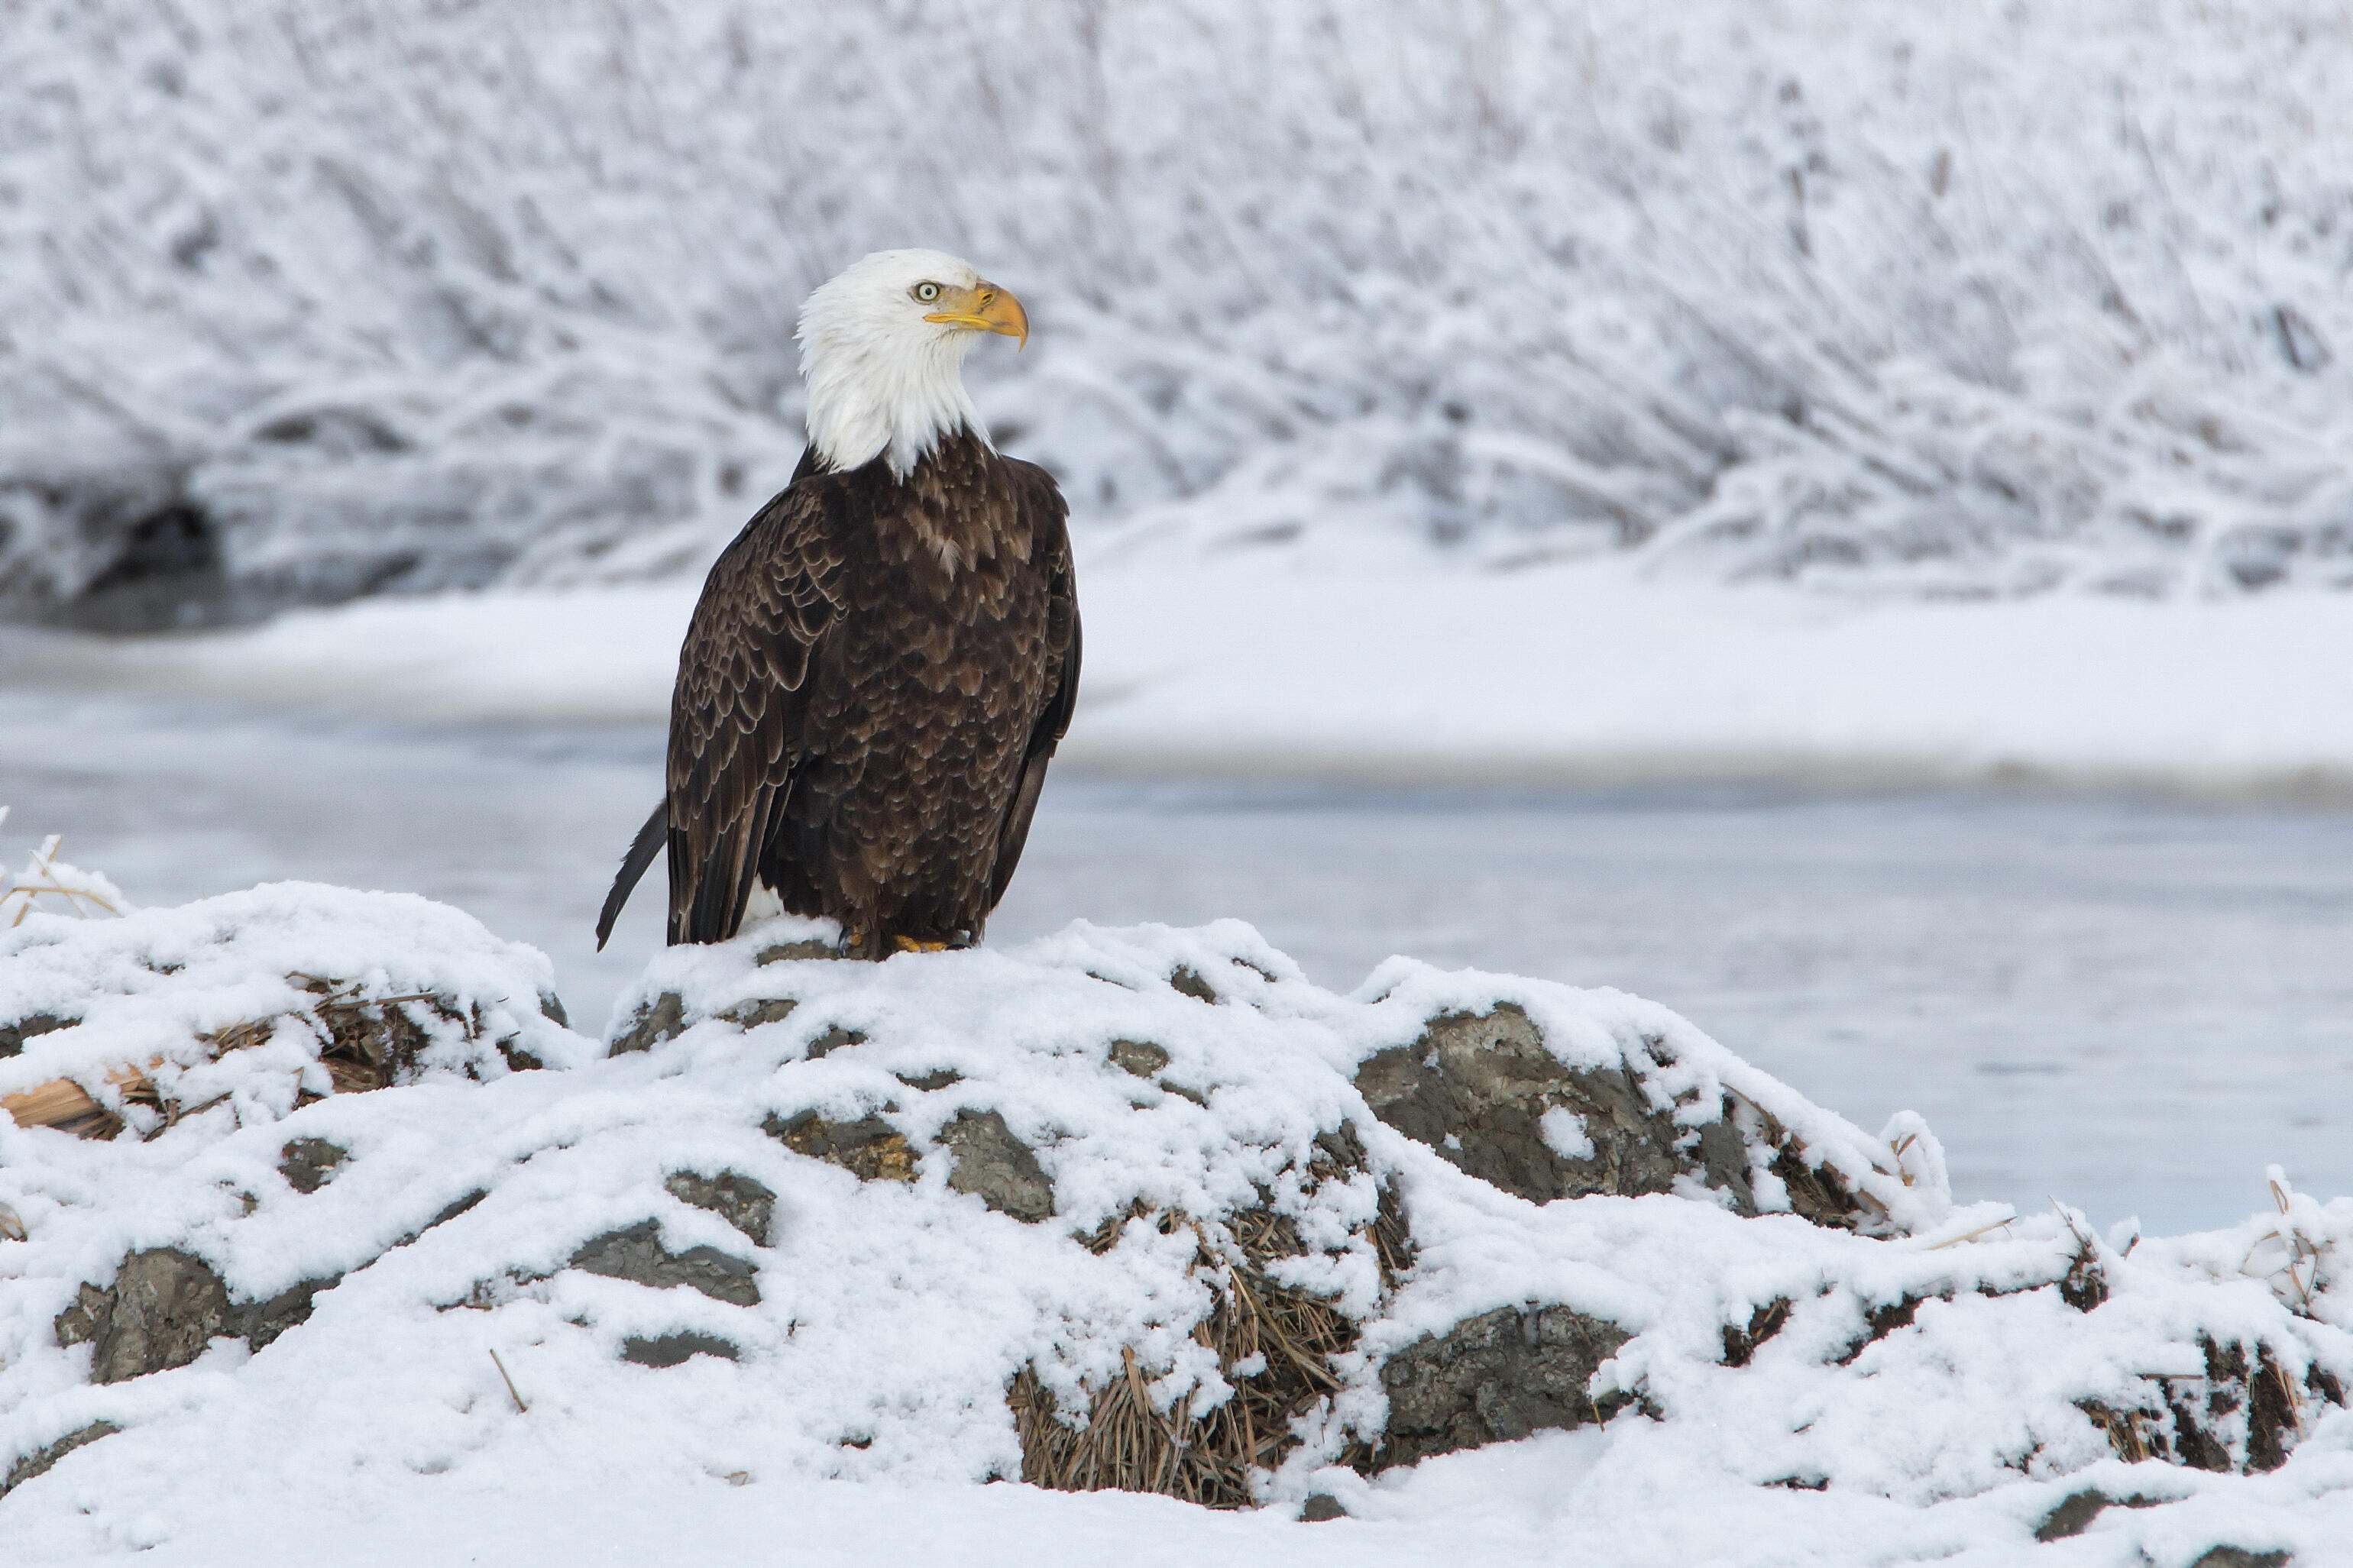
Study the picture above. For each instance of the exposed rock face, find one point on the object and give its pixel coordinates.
(996, 1167)
(310, 1164)
(803, 947)
(868, 1148)
(41, 1460)
(636, 1253)
(746, 1203)
(262, 1321)
(1482, 1090)
(769, 1010)
(2076, 1510)
(1141, 1057)
(676, 1350)
(2239, 1557)
(165, 1307)
(1186, 980)
(1479, 1088)
(1492, 1379)
(662, 1019)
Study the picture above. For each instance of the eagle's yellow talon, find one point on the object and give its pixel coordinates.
(908, 945)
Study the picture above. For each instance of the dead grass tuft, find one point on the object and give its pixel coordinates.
(1275, 1344)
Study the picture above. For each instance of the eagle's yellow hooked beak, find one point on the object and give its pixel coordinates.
(983, 308)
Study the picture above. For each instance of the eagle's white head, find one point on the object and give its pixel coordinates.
(882, 347)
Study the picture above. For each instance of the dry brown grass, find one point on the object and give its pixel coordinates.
(1211, 1457)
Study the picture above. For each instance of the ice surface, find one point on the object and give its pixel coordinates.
(2134, 1004)
(889, 1314)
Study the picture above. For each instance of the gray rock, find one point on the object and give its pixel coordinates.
(551, 1007)
(1494, 1378)
(746, 1203)
(2076, 1510)
(663, 1018)
(33, 1025)
(868, 1148)
(996, 1167)
(767, 1010)
(1141, 1057)
(450, 1211)
(2240, 1557)
(1322, 1507)
(78, 1324)
(1476, 1088)
(937, 1079)
(261, 1322)
(807, 947)
(165, 1307)
(310, 1164)
(832, 1040)
(1187, 982)
(636, 1253)
(1145, 1061)
(40, 1460)
(676, 1350)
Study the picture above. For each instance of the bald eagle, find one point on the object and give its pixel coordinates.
(881, 663)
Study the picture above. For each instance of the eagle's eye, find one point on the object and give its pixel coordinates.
(927, 292)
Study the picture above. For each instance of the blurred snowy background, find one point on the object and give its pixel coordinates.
(301, 302)
(1783, 498)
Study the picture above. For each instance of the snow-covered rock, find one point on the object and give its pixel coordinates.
(1137, 1208)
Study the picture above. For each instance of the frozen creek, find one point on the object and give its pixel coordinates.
(2133, 1006)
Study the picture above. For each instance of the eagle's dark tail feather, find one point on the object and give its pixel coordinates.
(650, 840)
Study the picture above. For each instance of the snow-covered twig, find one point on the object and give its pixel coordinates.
(2301, 1254)
(44, 876)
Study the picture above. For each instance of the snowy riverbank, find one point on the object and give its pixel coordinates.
(1563, 675)
(842, 1240)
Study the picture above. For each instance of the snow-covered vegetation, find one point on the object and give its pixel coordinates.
(343, 1227)
(48, 881)
(311, 299)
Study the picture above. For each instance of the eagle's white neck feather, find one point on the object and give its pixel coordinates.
(881, 380)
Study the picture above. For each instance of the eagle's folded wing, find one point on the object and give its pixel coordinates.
(1039, 497)
(738, 714)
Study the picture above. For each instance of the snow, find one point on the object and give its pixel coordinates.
(865, 1412)
(1977, 298)
(1591, 675)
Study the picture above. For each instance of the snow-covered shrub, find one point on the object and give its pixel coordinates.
(259, 1002)
(311, 299)
(1140, 1208)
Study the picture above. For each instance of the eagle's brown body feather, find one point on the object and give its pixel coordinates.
(873, 682)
